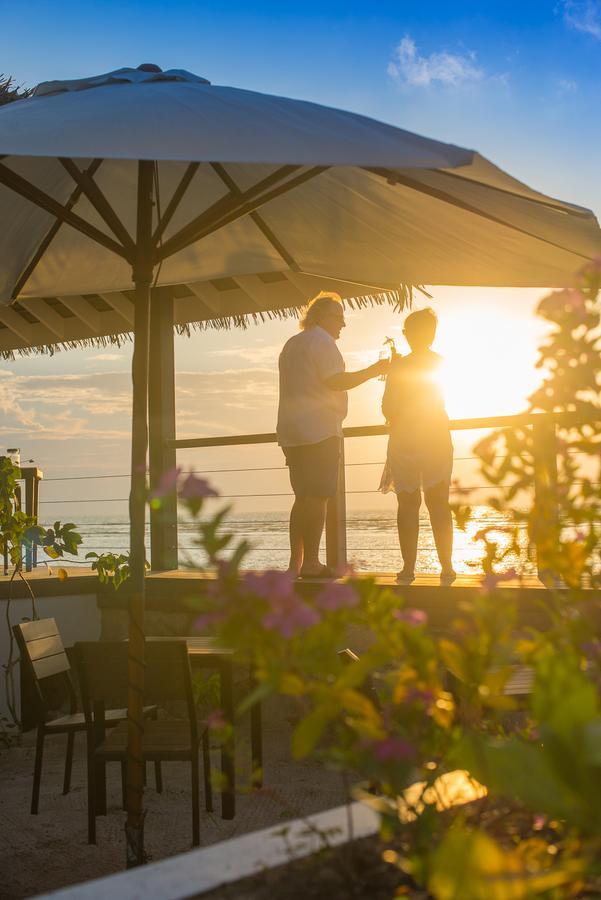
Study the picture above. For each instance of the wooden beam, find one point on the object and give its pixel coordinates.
(121, 304)
(17, 324)
(394, 177)
(263, 227)
(161, 428)
(230, 204)
(240, 212)
(42, 310)
(50, 235)
(30, 192)
(84, 310)
(175, 201)
(209, 295)
(88, 186)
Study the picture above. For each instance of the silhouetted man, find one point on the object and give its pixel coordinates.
(312, 407)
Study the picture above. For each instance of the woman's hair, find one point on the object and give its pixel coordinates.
(420, 328)
(316, 307)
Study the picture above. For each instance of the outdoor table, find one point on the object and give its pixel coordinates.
(205, 653)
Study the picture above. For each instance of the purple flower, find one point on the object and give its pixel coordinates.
(207, 620)
(270, 584)
(337, 596)
(289, 615)
(195, 488)
(411, 616)
(167, 484)
(393, 749)
(216, 719)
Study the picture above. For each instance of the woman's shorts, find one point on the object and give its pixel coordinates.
(314, 468)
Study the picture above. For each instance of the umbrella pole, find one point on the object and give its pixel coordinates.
(142, 276)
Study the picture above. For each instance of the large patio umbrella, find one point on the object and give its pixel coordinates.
(161, 178)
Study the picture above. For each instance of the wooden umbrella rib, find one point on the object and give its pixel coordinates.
(259, 221)
(556, 206)
(231, 202)
(175, 201)
(100, 203)
(244, 208)
(437, 194)
(50, 235)
(30, 192)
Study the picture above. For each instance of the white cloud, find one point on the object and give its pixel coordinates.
(584, 16)
(566, 86)
(409, 68)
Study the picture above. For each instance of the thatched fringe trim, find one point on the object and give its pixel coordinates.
(399, 299)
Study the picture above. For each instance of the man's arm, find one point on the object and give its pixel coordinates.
(345, 381)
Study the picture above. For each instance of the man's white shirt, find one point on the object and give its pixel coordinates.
(309, 411)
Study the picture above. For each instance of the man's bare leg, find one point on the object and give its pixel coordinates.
(313, 521)
(408, 526)
(296, 538)
(437, 501)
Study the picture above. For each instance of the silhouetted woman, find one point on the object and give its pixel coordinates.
(420, 452)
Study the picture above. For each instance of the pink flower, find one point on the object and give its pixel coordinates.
(393, 749)
(411, 616)
(490, 581)
(269, 584)
(289, 615)
(167, 484)
(206, 621)
(195, 488)
(337, 596)
(216, 719)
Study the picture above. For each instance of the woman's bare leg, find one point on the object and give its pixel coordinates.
(437, 501)
(408, 526)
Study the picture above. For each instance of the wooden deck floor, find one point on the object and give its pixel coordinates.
(173, 590)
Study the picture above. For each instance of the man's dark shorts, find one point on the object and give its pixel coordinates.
(314, 468)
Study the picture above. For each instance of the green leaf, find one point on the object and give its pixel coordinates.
(309, 730)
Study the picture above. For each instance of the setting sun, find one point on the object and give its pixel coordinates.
(489, 361)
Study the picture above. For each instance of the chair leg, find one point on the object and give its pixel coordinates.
(37, 769)
(91, 800)
(158, 777)
(195, 800)
(68, 762)
(206, 770)
(124, 784)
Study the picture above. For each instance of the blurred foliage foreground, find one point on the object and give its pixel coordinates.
(417, 706)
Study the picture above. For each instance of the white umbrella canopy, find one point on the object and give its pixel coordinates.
(161, 178)
(275, 185)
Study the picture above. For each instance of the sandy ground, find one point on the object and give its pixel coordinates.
(48, 851)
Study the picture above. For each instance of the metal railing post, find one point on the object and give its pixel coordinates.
(336, 522)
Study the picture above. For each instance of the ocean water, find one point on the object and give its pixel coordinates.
(372, 540)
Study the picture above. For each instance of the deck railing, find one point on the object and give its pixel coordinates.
(543, 425)
(162, 534)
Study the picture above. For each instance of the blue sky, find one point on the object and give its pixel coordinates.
(520, 82)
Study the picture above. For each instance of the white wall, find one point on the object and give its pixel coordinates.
(77, 617)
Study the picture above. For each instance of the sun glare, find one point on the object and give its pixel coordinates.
(489, 361)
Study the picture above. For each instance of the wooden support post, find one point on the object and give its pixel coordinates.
(161, 420)
(336, 522)
(31, 476)
(546, 525)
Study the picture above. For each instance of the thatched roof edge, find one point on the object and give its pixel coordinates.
(399, 299)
